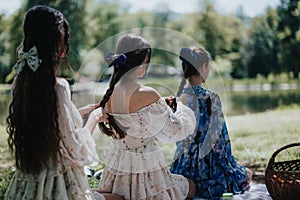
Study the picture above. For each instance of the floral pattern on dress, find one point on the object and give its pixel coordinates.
(205, 156)
(64, 179)
(135, 167)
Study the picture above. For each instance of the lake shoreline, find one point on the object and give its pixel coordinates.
(99, 88)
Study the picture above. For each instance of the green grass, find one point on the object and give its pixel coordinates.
(5, 176)
(6, 163)
(254, 138)
(6, 160)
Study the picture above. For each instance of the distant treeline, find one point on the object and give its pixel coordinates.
(247, 47)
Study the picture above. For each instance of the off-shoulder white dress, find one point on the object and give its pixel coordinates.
(135, 166)
(64, 179)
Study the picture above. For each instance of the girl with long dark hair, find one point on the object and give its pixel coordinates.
(138, 116)
(46, 133)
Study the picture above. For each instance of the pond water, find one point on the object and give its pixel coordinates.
(239, 103)
(234, 103)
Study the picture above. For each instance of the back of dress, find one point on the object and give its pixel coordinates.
(206, 158)
(120, 108)
(135, 166)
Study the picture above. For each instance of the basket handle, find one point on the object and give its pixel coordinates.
(272, 159)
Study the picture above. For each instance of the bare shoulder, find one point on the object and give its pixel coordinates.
(146, 94)
(148, 90)
(142, 97)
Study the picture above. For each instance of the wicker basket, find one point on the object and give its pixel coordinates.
(283, 178)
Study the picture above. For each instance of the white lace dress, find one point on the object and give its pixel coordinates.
(64, 179)
(135, 166)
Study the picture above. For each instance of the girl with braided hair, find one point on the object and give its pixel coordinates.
(205, 156)
(138, 116)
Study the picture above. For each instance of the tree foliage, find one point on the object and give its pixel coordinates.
(262, 49)
(103, 22)
(74, 12)
(289, 35)
(210, 34)
(4, 69)
(265, 44)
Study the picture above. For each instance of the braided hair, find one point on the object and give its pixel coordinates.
(131, 51)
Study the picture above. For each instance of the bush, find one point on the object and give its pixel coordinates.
(5, 177)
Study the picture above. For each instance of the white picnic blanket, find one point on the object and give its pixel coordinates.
(256, 192)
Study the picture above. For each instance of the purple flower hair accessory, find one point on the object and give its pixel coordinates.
(116, 60)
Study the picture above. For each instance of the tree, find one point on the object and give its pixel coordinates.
(263, 47)
(4, 69)
(210, 29)
(103, 22)
(234, 33)
(289, 35)
(272, 22)
(15, 37)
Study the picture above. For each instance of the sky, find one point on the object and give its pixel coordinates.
(250, 7)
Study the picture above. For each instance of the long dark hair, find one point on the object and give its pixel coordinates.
(33, 117)
(135, 49)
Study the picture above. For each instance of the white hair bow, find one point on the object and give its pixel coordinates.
(31, 57)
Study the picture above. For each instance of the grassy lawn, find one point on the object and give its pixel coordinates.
(254, 138)
(6, 162)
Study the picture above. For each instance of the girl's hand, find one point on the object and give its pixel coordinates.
(86, 110)
(100, 115)
(171, 101)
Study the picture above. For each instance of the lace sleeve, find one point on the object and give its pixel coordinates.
(158, 120)
(176, 126)
(77, 143)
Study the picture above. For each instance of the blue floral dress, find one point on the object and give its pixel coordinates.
(205, 156)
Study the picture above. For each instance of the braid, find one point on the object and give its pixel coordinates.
(105, 99)
(208, 106)
(182, 84)
(134, 49)
(119, 130)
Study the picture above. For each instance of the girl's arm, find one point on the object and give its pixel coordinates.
(77, 143)
(86, 110)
